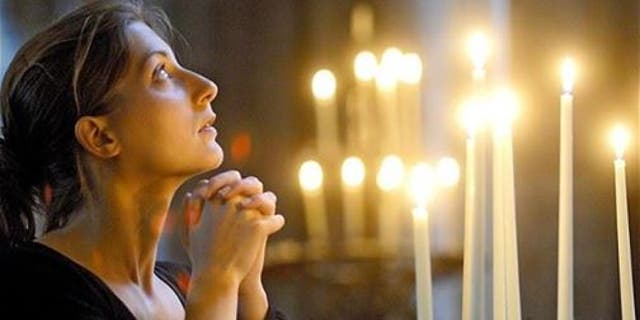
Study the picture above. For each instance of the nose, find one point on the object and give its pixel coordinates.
(205, 91)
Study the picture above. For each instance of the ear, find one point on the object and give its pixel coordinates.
(94, 135)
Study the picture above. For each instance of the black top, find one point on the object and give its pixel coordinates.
(37, 282)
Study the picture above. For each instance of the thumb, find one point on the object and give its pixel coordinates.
(192, 212)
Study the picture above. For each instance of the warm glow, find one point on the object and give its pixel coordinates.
(422, 184)
(505, 108)
(365, 66)
(448, 172)
(411, 68)
(353, 172)
(390, 63)
(323, 84)
(471, 116)
(310, 176)
(391, 173)
(620, 139)
(478, 47)
(568, 74)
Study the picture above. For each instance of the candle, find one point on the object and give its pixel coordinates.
(499, 293)
(473, 305)
(389, 180)
(410, 113)
(362, 121)
(421, 188)
(353, 173)
(473, 256)
(565, 212)
(323, 86)
(310, 178)
(620, 139)
(386, 84)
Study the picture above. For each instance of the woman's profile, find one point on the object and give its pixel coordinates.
(100, 126)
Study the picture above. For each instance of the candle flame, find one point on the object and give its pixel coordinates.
(620, 139)
(411, 68)
(568, 74)
(471, 116)
(478, 47)
(505, 108)
(310, 176)
(323, 84)
(422, 184)
(353, 171)
(391, 173)
(365, 65)
(448, 172)
(390, 63)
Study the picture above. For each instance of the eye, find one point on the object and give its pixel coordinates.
(161, 73)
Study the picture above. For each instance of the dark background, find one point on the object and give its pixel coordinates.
(262, 55)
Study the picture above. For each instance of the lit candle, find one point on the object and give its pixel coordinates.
(353, 173)
(474, 304)
(473, 258)
(421, 187)
(387, 83)
(310, 178)
(323, 87)
(389, 180)
(620, 138)
(361, 116)
(499, 263)
(410, 76)
(565, 212)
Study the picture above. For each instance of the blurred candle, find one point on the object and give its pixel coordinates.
(410, 76)
(353, 173)
(323, 87)
(387, 99)
(310, 178)
(390, 180)
(478, 47)
(421, 187)
(565, 211)
(620, 138)
(473, 262)
(362, 121)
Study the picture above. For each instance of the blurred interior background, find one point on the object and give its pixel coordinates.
(263, 54)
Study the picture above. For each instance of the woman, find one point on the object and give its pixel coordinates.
(101, 125)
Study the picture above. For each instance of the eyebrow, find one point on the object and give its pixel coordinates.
(155, 52)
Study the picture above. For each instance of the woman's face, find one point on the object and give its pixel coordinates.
(162, 114)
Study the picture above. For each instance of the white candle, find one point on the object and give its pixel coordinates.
(387, 100)
(511, 237)
(499, 290)
(389, 180)
(421, 187)
(365, 67)
(422, 263)
(565, 212)
(323, 86)
(473, 262)
(409, 107)
(620, 139)
(310, 179)
(353, 173)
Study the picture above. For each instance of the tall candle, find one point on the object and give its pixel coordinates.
(323, 86)
(360, 130)
(620, 139)
(387, 99)
(499, 289)
(353, 173)
(565, 212)
(421, 187)
(473, 256)
(310, 179)
(409, 107)
(389, 180)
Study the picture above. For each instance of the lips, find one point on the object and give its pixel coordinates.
(208, 126)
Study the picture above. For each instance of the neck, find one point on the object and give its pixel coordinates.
(116, 233)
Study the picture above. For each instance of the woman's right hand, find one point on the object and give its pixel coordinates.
(223, 240)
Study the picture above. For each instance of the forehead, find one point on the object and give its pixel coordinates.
(143, 41)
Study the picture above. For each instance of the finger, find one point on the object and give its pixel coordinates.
(264, 202)
(186, 220)
(248, 186)
(193, 210)
(219, 184)
(272, 224)
(201, 188)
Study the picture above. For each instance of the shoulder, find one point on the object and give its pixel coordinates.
(176, 276)
(39, 282)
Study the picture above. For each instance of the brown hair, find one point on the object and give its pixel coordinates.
(64, 72)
